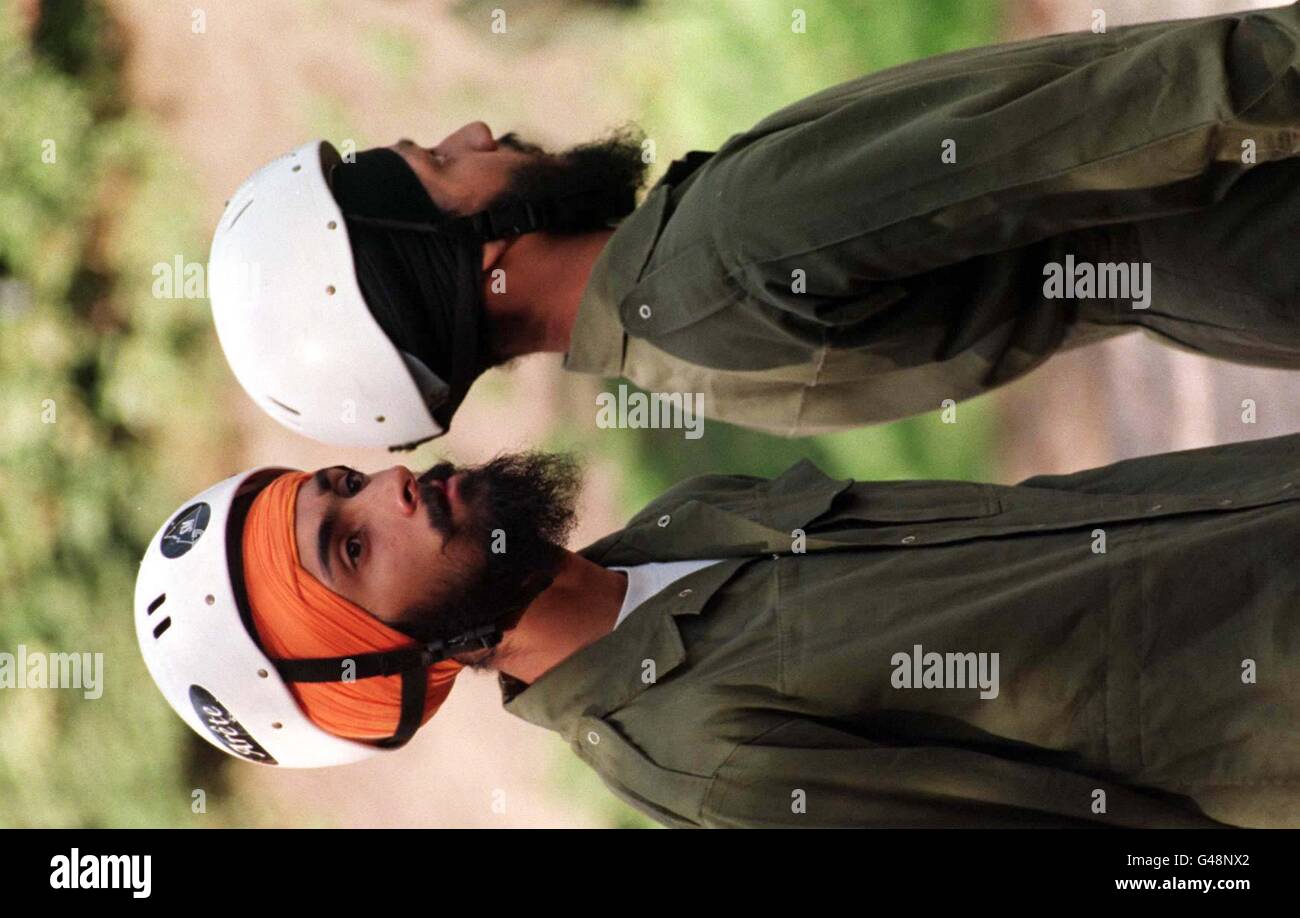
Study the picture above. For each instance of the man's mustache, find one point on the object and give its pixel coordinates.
(440, 472)
(517, 143)
(434, 498)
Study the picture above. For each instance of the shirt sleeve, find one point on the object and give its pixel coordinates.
(933, 164)
(808, 774)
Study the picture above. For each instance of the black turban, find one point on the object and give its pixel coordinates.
(424, 287)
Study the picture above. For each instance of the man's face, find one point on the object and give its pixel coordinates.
(436, 555)
(384, 541)
(470, 171)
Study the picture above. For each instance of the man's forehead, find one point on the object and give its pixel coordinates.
(308, 509)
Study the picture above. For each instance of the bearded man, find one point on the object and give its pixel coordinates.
(1114, 647)
(928, 232)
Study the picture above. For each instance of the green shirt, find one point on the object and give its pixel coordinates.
(761, 691)
(831, 267)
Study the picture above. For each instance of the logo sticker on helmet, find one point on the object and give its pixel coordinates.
(228, 731)
(182, 532)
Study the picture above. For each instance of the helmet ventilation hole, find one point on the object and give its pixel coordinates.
(209, 599)
(380, 419)
(293, 411)
(330, 289)
(240, 213)
(263, 673)
(153, 606)
(161, 627)
(277, 725)
(332, 225)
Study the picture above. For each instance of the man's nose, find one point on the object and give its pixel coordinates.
(403, 491)
(475, 136)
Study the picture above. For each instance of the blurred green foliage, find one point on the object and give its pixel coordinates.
(394, 52)
(106, 423)
(701, 74)
(130, 378)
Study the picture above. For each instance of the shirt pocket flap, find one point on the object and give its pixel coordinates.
(890, 502)
(671, 796)
(685, 289)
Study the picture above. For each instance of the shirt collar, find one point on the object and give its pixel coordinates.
(689, 524)
(611, 671)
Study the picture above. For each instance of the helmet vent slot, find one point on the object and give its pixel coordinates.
(162, 598)
(161, 627)
(294, 411)
(235, 218)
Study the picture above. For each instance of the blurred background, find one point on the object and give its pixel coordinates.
(116, 405)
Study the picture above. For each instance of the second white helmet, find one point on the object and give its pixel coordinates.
(292, 321)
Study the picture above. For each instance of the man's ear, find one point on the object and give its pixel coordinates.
(492, 252)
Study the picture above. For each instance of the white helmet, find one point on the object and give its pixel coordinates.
(296, 328)
(195, 631)
(292, 321)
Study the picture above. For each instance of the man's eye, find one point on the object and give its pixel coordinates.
(353, 548)
(353, 482)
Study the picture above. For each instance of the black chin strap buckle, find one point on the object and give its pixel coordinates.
(514, 218)
(481, 638)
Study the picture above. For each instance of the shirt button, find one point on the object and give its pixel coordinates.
(644, 311)
(664, 520)
(908, 540)
(593, 737)
(684, 593)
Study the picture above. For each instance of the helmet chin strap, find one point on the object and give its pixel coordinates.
(411, 663)
(512, 218)
(515, 218)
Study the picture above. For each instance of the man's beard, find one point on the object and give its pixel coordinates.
(519, 510)
(612, 169)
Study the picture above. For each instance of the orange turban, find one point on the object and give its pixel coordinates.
(298, 617)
